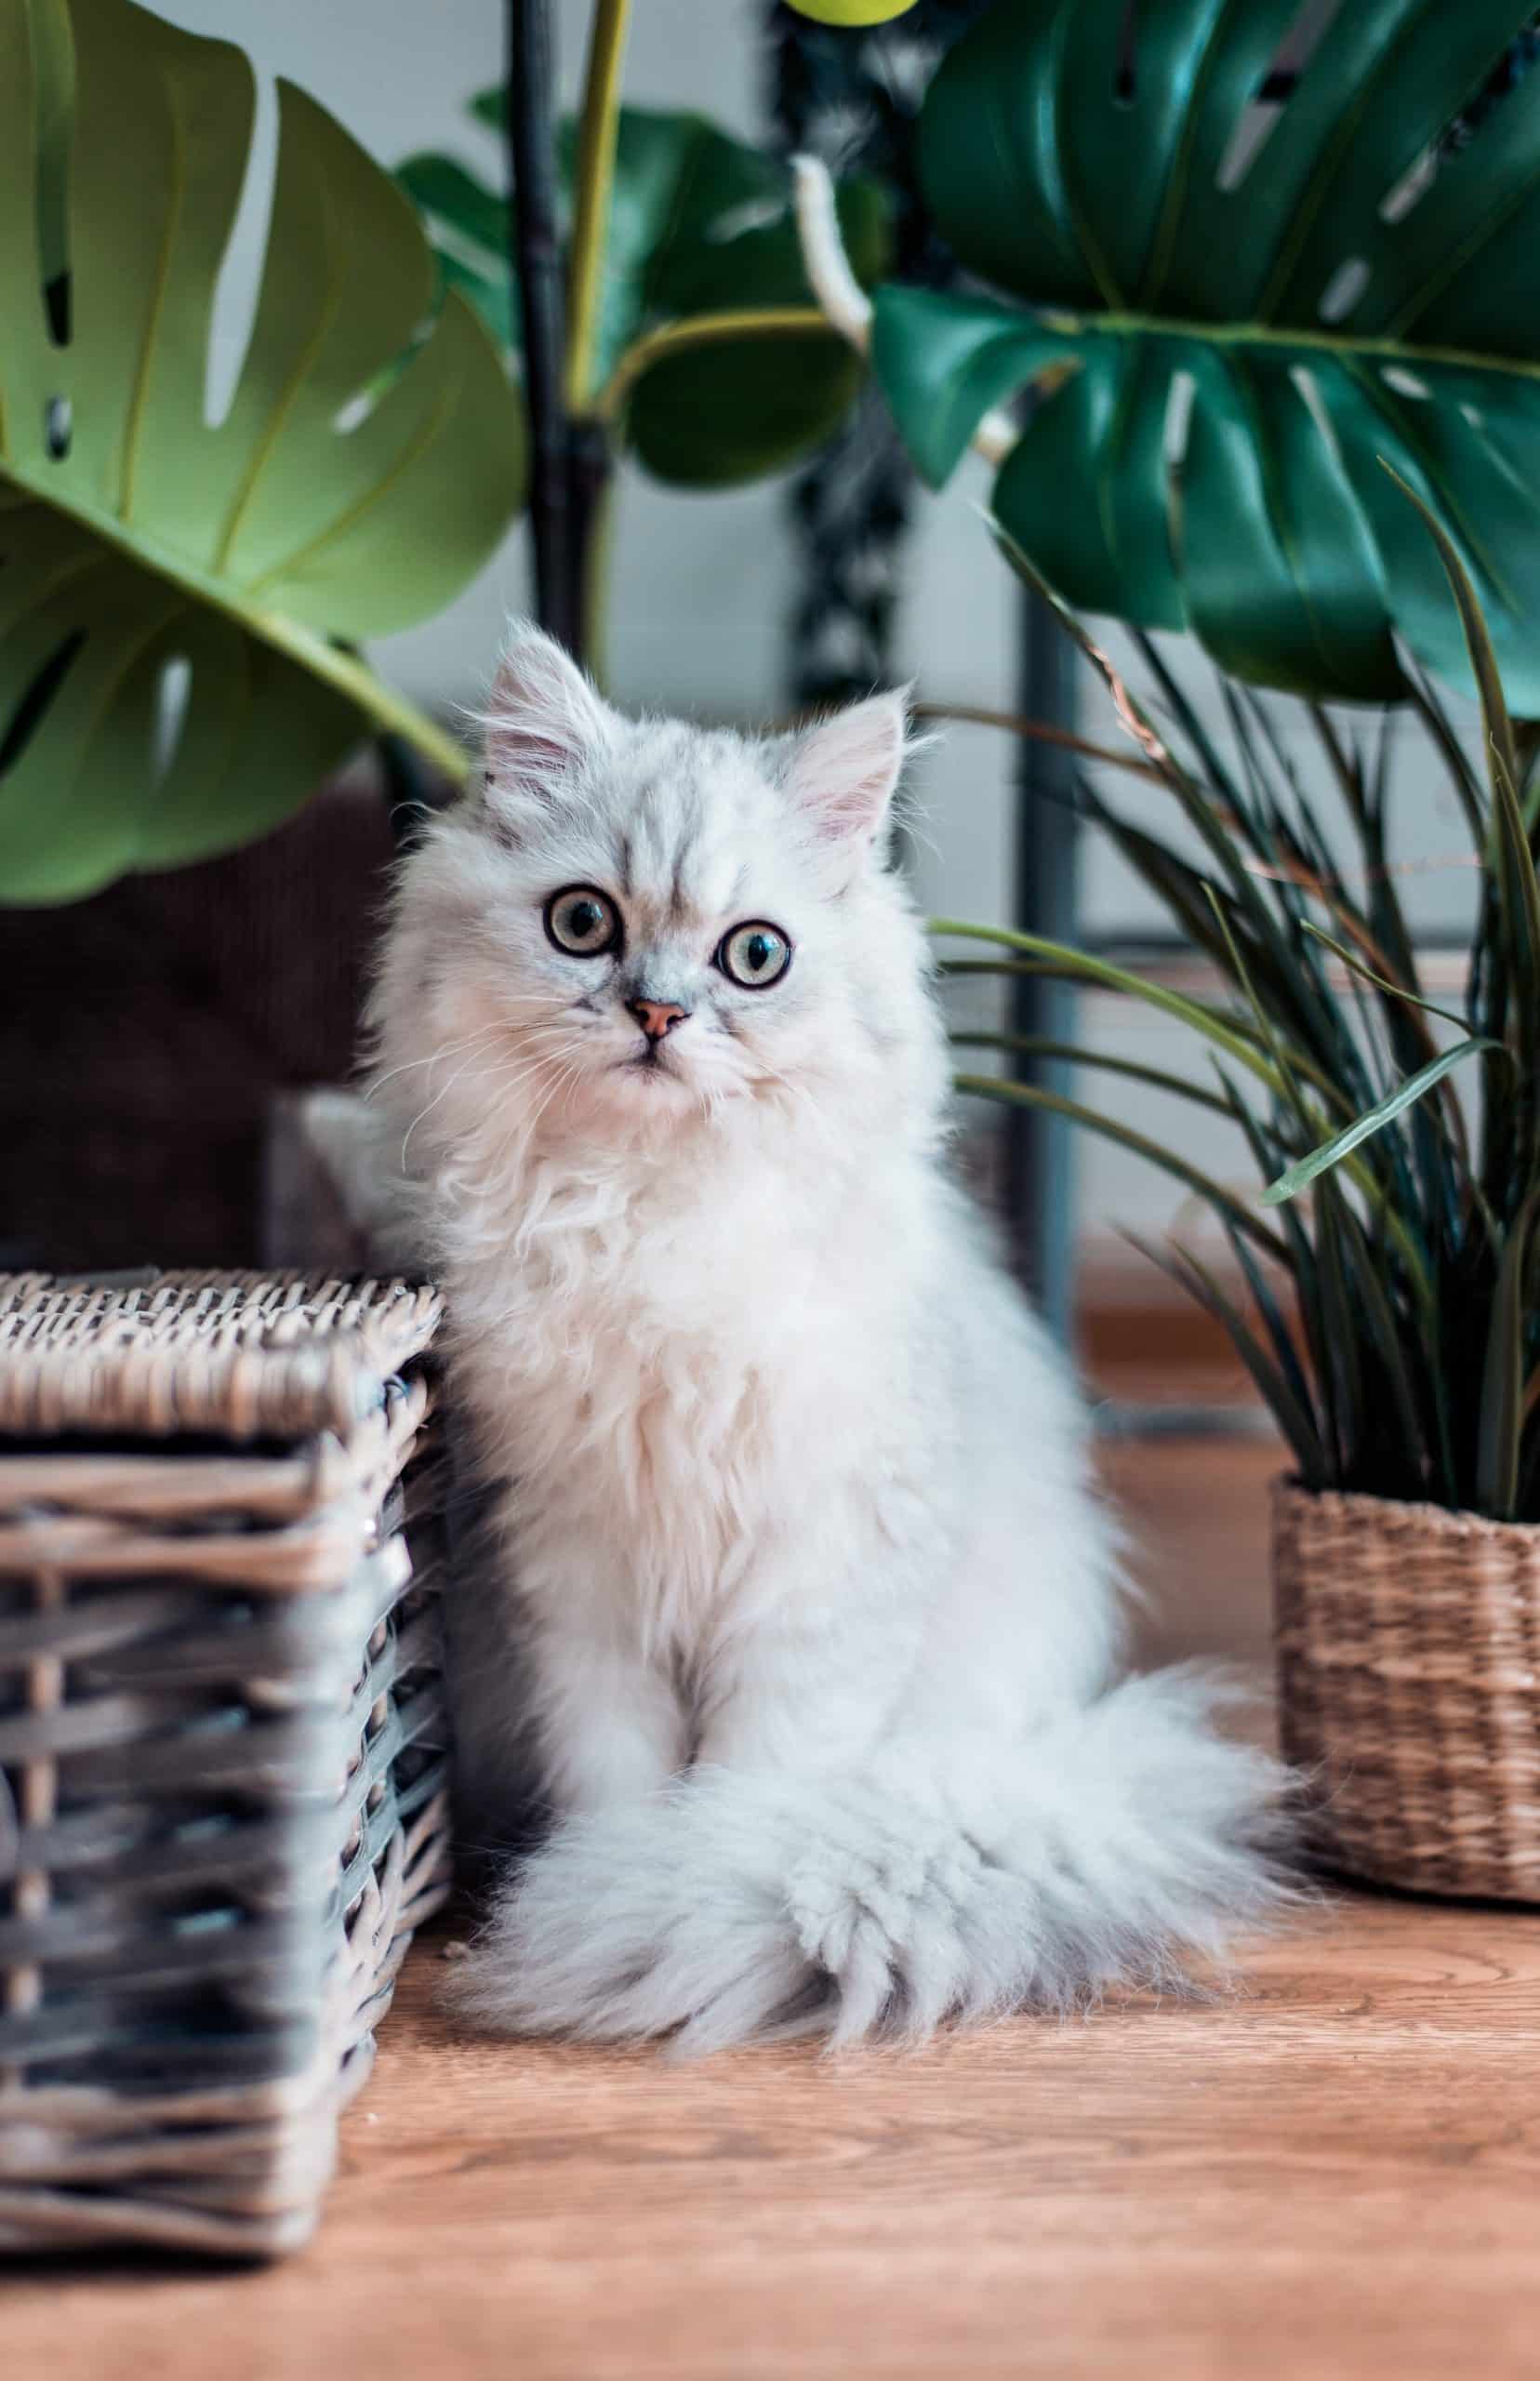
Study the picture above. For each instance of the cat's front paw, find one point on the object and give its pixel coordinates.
(609, 1935)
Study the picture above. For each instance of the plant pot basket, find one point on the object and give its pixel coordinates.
(1409, 1679)
(222, 1806)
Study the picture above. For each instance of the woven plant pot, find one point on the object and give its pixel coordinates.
(222, 1806)
(1409, 1679)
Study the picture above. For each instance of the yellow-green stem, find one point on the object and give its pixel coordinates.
(598, 131)
(700, 330)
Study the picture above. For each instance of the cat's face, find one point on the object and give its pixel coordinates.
(657, 921)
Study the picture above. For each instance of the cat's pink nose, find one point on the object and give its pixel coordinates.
(656, 1018)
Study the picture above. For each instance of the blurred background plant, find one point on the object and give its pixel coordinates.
(658, 305)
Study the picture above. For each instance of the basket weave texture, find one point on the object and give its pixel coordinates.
(222, 1748)
(1409, 1676)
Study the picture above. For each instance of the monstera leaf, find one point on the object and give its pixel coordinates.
(1360, 289)
(698, 224)
(177, 596)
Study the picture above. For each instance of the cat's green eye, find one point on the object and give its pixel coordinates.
(754, 955)
(582, 921)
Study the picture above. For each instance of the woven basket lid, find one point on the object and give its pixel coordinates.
(236, 1355)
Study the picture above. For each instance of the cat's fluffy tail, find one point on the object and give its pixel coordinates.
(1117, 1845)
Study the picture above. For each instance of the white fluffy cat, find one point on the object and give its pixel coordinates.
(804, 1613)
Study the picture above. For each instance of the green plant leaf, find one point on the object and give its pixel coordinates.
(1485, 669)
(1374, 1120)
(1282, 1339)
(1407, 1461)
(1318, 329)
(1035, 1045)
(1060, 958)
(142, 546)
(1358, 967)
(1224, 837)
(1502, 1418)
(1341, 1351)
(1509, 857)
(1027, 1095)
(699, 225)
(1293, 1418)
(1303, 1268)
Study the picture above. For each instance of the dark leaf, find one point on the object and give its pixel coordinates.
(1315, 331)
(1309, 1169)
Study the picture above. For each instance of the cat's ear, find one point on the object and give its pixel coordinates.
(544, 718)
(843, 771)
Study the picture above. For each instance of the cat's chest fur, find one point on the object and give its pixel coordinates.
(675, 1362)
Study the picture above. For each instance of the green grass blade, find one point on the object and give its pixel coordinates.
(1331, 1153)
(1461, 777)
(1340, 1349)
(1026, 1094)
(1385, 983)
(1509, 857)
(1181, 1266)
(1032, 1045)
(1266, 1026)
(1483, 661)
(1501, 1432)
(1082, 967)
(1303, 1268)
(1280, 1337)
(1382, 1336)
(1515, 868)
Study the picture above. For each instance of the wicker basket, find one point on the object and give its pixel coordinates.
(222, 1744)
(1409, 1678)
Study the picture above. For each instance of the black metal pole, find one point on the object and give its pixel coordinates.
(1039, 1177)
(539, 274)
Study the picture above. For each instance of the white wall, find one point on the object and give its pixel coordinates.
(702, 584)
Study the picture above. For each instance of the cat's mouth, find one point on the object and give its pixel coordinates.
(650, 1060)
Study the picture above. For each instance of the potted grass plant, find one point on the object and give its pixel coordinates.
(1240, 309)
(1381, 1292)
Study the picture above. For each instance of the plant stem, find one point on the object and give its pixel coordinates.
(700, 330)
(1040, 731)
(598, 130)
(537, 260)
(591, 468)
(845, 303)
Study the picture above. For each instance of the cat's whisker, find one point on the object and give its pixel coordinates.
(470, 1041)
(450, 1049)
(532, 1069)
(511, 1071)
(560, 1078)
(433, 1103)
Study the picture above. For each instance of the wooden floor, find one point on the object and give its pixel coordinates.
(1335, 2174)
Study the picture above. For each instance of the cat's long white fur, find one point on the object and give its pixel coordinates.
(802, 1619)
